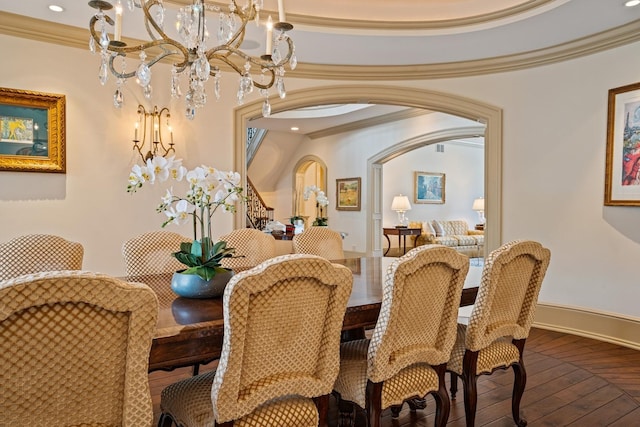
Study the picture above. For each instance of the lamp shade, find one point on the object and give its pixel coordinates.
(478, 204)
(400, 204)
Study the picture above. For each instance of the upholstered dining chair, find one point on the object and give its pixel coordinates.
(34, 253)
(500, 322)
(406, 357)
(321, 241)
(74, 350)
(151, 253)
(282, 323)
(252, 248)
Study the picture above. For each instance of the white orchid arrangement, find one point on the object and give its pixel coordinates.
(209, 190)
(321, 202)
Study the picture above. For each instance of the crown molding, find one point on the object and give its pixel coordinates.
(65, 35)
(404, 26)
(333, 24)
(605, 40)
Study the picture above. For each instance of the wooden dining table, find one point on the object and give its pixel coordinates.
(190, 331)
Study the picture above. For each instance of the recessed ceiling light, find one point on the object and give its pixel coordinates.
(632, 3)
(295, 128)
(55, 8)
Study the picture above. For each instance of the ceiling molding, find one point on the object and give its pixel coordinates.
(332, 24)
(65, 35)
(605, 40)
(365, 123)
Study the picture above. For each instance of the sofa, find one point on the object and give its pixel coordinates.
(452, 233)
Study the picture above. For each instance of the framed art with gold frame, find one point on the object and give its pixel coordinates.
(32, 131)
(348, 194)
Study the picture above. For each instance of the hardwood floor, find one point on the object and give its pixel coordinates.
(571, 381)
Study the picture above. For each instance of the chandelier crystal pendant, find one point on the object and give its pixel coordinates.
(190, 56)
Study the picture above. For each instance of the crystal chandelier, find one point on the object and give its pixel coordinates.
(190, 55)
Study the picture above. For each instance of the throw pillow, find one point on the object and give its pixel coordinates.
(427, 228)
(438, 228)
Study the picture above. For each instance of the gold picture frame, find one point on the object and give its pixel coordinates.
(622, 166)
(32, 131)
(348, 194)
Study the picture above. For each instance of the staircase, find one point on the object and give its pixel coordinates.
(258, 213)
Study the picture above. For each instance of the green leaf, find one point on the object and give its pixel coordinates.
(187, 259)
(196, 248)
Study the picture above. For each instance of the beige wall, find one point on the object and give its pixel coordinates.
(554, 136)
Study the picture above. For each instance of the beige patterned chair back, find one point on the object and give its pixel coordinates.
(419, 312)
(506, 301)
(252, 248)
(151, 253)
(35, 253)
(282, 324)
(74, 350)
(320, 241)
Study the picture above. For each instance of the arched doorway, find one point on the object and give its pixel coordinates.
(490, 115)
(310, 170)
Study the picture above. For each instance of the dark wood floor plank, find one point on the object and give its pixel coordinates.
(613, 411)
(631, 419)
(578, 408)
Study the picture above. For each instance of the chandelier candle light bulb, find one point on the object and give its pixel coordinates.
(269, 44)
(281, 16)
(117, 33)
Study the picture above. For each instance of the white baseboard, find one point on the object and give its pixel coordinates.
(608, 327)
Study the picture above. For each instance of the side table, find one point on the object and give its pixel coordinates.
(402, 233)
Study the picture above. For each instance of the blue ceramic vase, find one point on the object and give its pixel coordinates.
(194, 286)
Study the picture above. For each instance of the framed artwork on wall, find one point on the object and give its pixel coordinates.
(32, 131)
(348, 194)
(622, 167)
(428, 187)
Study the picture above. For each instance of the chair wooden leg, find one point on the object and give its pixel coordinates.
(373, 404)
(395, 411)
(520, 380)
(469, 379)
(417, 403)
(443, 404)
(322, 403)
(346, 412)
(453, 379)
(196, 369)
(519, 383)
(165, 420)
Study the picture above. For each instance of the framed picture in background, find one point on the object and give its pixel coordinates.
(428, 187)
(622, 167)
(348, 194)
(32, 131)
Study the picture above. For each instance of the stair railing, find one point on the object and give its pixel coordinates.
(258, 213)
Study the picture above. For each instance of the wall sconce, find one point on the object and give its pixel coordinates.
(152, 120)
(401, 204)
(478, 206)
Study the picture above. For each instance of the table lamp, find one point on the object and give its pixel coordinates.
(478, 206)
(401, 204)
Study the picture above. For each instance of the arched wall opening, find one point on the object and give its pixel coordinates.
(310, 170)
(486, 114)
